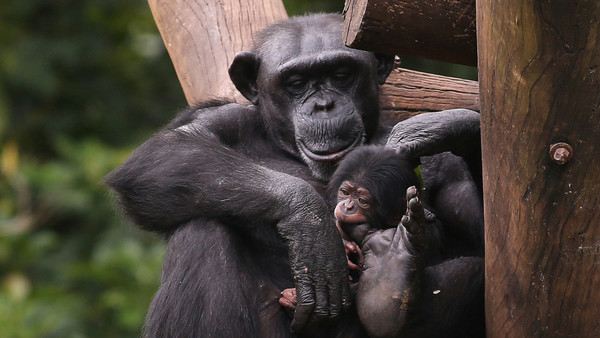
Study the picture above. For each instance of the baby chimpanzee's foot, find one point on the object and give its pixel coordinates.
(288, 301)
(414, 221)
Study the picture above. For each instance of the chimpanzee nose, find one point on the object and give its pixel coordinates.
(323, 104)
(350, 207)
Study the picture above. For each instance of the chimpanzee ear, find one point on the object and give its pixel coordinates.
(243, 72)
(385, 64)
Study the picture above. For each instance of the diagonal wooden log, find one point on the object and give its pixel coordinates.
(203, 36)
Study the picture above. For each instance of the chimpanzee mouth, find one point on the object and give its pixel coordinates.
(354, 232)
(331, 155)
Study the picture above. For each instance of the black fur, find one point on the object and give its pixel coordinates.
(385, 173)
(444, 289)
(240, 191)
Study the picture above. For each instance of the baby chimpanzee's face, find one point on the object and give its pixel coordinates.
(355, 204)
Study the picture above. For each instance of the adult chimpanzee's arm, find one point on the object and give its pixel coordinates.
(191, 170)
(455, 130)
(166, 181)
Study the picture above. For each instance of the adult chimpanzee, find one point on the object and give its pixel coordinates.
(395, 293)
(239, 190)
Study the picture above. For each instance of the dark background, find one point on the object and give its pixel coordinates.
(81, 84)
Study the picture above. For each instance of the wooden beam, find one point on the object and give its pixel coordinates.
(408, 92)
(203, 36)
(539, 72)
(439, 30)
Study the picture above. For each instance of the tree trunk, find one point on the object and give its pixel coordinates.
(540, 85)
(202, 38)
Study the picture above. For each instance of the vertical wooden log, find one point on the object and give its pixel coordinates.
(539, 78)
(203, 36)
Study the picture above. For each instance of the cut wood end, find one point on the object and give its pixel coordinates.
(354, 12)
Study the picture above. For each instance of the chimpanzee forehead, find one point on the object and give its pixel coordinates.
(288, 45)
(303, 37)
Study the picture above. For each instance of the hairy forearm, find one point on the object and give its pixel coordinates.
(455, 130)
(181, 174)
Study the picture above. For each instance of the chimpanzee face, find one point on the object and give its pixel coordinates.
(370, 185)
(355, 204)
(318, 98)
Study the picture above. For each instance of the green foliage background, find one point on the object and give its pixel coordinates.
(82, 83)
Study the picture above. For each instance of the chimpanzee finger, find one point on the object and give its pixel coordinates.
(288, 301)
(336, 305)
(304, 308)
(321, 311)
(288, 298)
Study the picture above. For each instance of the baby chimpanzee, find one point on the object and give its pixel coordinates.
(369, 188)
(404, 288)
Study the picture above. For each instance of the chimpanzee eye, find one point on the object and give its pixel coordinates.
(363, 201)
(295, 84)
(341, 77)
(344, 192)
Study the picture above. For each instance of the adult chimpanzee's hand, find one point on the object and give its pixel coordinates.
(317, 258)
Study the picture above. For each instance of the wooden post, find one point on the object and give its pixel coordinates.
(202, 38)
(441, 30)
(539, 72)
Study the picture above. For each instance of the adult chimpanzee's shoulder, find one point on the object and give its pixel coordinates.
(217, 109)
(233, 124)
